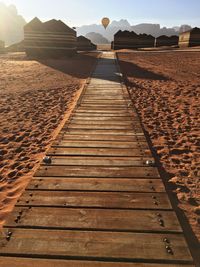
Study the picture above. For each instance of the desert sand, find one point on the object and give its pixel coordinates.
(165, 88)
(34, 98)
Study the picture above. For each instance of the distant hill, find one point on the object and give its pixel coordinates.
(114, 27)
(96, 38)
(11, 24)
(184, 28)
(148, 28)
(156, 30)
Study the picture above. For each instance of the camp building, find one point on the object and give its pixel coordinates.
(84, 44)
(131, 40)
(2, 47)
(51, 38)
(190, 38)
(164, 40)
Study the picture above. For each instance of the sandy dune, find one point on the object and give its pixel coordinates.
(166, 90)
(34, 96)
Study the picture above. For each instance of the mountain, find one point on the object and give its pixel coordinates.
(96, 38)
(176, 28)
(11, 24)
(114, 27)
(185, 28)
(147, 28)
(123, 23)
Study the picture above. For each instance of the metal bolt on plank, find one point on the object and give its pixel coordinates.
(47, 160)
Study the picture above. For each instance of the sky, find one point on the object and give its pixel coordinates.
(83, 12)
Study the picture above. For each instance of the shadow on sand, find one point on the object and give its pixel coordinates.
(77, 67)
(134, 71)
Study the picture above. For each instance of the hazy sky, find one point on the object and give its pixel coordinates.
(79, 12)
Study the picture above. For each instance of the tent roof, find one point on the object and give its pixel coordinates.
(57, 26)
(82, 38)
(34, 24)
(193, 30)
(51, 26)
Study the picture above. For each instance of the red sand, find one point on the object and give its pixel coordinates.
(34, 97)
(165, 88)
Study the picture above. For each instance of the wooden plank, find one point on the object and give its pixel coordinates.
(100, 137)
(99, 99)
(93, 171)
(95, 245)
(103, 93)
(93, 95)
(107, 96)
(105, 119)
(108, 105)
(97, 171)
(101, 127)
(25, 262)
(111, 132)
(108, 89)
(104, 90)
(120, 102)
(99, 161)
(104, 87)
(94, 219)
(96, 184)
(104, 108)
(104, 122)
(100, 144)
(113, 152)
(104, 83)
(103, 111)
(116, 200)
(102, 114)
(104, 104)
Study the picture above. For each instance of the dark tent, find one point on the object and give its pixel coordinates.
(2, 47)
(164, 40)
(190, 38)
(131, 40)
(51, 38)
(84, 44)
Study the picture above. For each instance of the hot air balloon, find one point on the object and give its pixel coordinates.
(105, 22)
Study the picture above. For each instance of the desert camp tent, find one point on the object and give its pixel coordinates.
(18, 47)
(190, 38)
(2, 47)
(51, 38)
(146, 40)
(112, 45)
(131, 40)
(84, 44)
(164, 40)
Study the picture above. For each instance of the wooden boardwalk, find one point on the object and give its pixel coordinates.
(99, 201)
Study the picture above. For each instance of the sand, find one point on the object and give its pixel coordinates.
(34, 98)
(165, 88)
